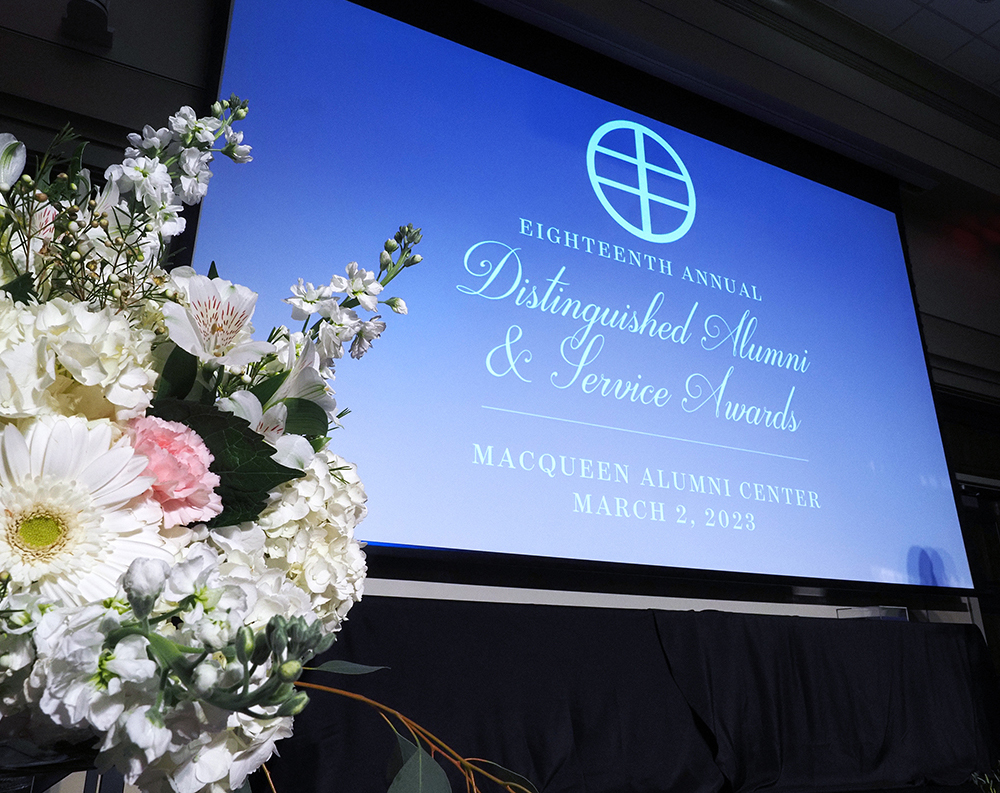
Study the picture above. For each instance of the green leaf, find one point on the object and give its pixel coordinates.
(418, 773)
(242, 458)
(305, 417)
(212, 271)
(264, 391)
(179, 373)
(505, 774)
(22, 288)
(346, 668)
(76, 163)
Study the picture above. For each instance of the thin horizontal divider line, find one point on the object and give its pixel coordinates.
(642, 432)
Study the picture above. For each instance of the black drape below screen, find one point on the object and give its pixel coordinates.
(627, 701)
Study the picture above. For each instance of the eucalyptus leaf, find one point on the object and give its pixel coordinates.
(242, 459)
(22, 288)
(419, 773)
(506, 775)
(179, 374)
(346, 668)
(305, 417)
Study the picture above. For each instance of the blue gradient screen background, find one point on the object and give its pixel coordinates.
(487, 418)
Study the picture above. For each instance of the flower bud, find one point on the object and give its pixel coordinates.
(385, 260)
(204, 677)
(294, 705)
(290, 671)
(391, 246)
(261, 649)
(143, 582)
(414, 259)
(217, 109)
(396, 304)
(277, 634)
(240, 113)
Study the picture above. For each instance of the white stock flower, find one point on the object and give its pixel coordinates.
(235, 148)
(186, 124)
(307, 299)
(74, 511)
(361, 285)
(195, 174)
(143, 582)
(77, 680)
(146, 175)
(153, 141)
(213, 323)
(220, 602)
(368, 332)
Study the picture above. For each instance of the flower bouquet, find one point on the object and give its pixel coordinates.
(176, 537)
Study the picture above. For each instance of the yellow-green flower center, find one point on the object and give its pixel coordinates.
(41, 531)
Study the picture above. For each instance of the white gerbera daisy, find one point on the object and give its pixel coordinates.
(73, 510)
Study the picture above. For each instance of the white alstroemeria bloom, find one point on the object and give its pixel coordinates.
(307, 299)
(187, 125)
(12, 158)
(291, 450)
(213, 323)
(363, 286)
(269, 423)
(304, 380)
(367, 333)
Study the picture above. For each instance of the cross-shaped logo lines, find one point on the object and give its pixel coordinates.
(622, 178)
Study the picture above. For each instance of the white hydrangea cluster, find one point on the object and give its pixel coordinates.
(308, 529)
(68, 358)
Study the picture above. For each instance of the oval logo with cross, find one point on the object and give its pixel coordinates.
(641, 181)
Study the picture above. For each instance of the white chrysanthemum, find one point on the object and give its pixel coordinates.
(73, 510)
(309, 529)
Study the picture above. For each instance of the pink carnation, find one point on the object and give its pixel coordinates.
(179, 460)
